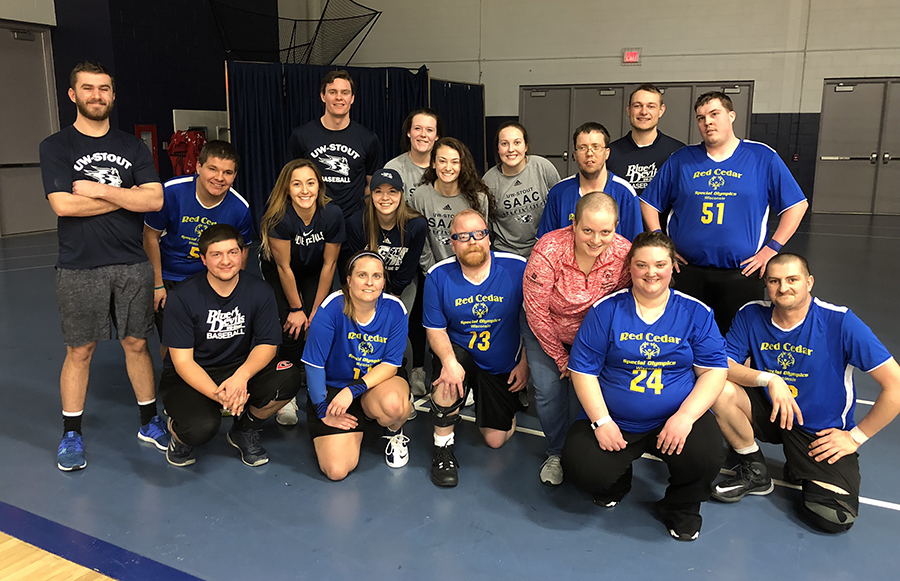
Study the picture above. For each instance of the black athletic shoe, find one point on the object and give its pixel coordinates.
(615, 494)
(179, 454)
(444, 468)
(749, 478)
(252, 452)
(682, 521)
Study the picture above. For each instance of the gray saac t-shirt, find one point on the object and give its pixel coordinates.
(520, 201)
(439, 211)
(410, 173)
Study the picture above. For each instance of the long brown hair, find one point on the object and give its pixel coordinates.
(371, 226)
(470, 183)
(280, 199)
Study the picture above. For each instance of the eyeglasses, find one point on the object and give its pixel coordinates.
(594, 148)
(465, 236)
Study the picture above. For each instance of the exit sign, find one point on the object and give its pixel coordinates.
(631, 56)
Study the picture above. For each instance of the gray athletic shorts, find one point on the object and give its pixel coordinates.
(88, 299)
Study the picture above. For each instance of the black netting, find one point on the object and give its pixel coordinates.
(315, 42)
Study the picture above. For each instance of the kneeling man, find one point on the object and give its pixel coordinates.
(797, 390)
(222, 331)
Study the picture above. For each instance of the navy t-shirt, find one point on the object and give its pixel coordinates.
(308, 240)
(116, 159)
(638, 165)
(400, 258)
(220, 330)
(344, 157)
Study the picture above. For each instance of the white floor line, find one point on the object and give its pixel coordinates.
(28, 268)
(422, 405)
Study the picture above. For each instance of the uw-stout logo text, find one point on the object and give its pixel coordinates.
(105, 175)
(786, 360)
(716, 182)
(225, 325)
(338, 165)
(649, 350)
(640, 174)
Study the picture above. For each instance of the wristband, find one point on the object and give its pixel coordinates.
(357, 387)
(858, 435)
(294, 310)
(762, 380)
(604, 420)
(774, 245)
(160, 287)
(321, 409)
(658, 230)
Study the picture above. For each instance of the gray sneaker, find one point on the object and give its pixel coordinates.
(551, 471)
(417, 382)
(179, 454)
(252, 452)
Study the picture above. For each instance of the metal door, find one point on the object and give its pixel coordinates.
(545, 114)
(887, 189)
(27, 116)
(739, 93)
(848, 147)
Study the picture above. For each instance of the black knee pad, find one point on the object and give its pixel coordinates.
(440, 415)
(827, 510)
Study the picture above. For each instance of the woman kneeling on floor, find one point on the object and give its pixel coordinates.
(353, 352)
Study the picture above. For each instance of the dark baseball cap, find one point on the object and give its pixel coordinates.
(386, 176)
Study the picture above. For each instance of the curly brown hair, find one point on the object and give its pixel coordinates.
(469, 182)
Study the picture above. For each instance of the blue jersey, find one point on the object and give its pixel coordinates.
(646, 370)
(720, 209)
(560, 209)
(183, 219)
(347, 349)
(815, 358)
(481, 317)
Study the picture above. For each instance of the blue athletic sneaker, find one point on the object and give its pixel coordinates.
(156, 433)
(70, 455)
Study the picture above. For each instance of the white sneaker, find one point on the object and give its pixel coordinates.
(396, 453)
(287, 416)
(412, 410)
(470, 399)
(551, 471)
(417, 381)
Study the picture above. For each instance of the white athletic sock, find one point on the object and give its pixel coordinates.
(148, 402)
(441, 441)
(748, 449)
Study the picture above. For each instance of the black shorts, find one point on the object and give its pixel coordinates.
(158, 315)
(724, 290)
(495, 405)
(319, 428)
(196, 418)
(844, 473)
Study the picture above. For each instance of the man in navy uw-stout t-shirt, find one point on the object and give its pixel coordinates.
(721, 193)
(100, 181)
(471, 310)
(797, 390)
(222, 330)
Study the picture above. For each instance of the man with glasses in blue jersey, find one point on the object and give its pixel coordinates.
(471, 315)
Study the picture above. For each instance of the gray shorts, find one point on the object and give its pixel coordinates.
(89, 298)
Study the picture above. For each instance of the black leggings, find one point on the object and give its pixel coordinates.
(691, 473)
(196, 418)
(307, 285)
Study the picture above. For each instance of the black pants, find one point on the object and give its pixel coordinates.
(691, 473)
(416, 330)
(724, 290)
(196, 418)
(307, 285)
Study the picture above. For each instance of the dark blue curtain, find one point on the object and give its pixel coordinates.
(462, 107)
(383, 99)
(258, 130)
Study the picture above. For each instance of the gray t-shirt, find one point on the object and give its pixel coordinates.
(410, 173)
(520, 203)
(439, 211)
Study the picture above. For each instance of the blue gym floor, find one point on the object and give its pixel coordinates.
(133, 516)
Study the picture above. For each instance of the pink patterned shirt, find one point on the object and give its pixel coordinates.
(558, 295)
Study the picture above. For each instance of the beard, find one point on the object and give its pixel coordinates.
(103, 115)
(474, 257)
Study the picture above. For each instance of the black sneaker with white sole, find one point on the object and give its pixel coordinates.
(252, 452)
(749, 478)
(444, 468)
(683, 521)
